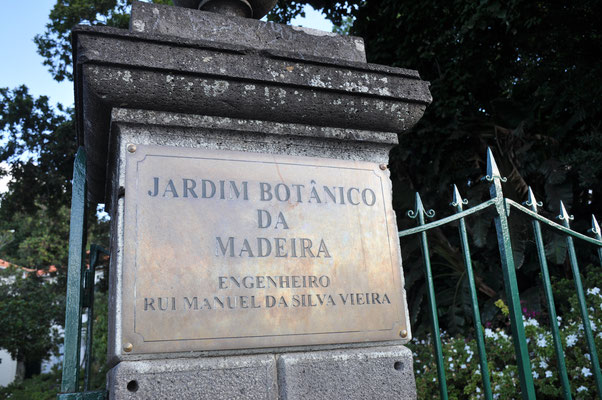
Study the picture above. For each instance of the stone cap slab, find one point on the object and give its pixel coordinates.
(194, 24)
(118, 68)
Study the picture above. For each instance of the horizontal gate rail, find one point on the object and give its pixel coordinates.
(554, 225)
(502, 207)
(447, 220)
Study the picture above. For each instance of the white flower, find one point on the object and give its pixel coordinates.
(478, 389)
(541, 341)
(450, 359)
(531, 322)
(595, 290)
(535, 374)
(489, 333)
(587, 356)
(463, 366)
(594, 327)
(451, 366)
(581, 389)
(548, 374)
(543, 364)
(586, 372)
(434, 379)
(571, 340)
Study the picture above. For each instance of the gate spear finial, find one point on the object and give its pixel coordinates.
(564, 215)
(532, 202)
(596, 228)
(492, 168)
(457, 200)
(420, 211)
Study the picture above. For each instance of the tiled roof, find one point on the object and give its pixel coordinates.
(39, 272)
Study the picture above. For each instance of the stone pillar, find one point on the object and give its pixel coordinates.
(199, 88)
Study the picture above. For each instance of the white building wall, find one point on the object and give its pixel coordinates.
(8, 368)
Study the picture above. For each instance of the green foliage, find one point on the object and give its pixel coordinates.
(39, 387)
(39, 149)
(336, 11)
(30, 308)
(461, 357)
(99, 369)
(345, 27)
(39, 239)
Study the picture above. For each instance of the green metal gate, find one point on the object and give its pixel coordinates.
(502, 207)
(80, 293)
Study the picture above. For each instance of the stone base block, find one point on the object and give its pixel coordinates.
(215, 378)
(373, 373)
(379, 373)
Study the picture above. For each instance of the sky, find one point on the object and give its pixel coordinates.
(21, 20)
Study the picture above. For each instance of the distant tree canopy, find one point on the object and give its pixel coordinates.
(519, 76)
(30, 312)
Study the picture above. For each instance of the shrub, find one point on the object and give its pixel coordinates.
(461, 357)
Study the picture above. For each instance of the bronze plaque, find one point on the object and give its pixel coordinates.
(229, 250)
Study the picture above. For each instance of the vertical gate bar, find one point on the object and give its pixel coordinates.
(77, 243)
(547, 285)
(565, 218)
(509, 275)
(420, 214)
(598, 234)
(457, 202)
(90, 295)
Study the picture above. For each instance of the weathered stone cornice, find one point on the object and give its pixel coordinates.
(118, 68)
